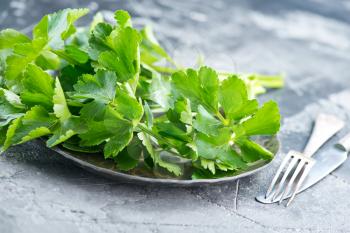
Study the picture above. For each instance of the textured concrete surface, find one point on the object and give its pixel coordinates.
(309, 40)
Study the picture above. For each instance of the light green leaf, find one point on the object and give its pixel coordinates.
(122, 131)
(37, 122)
(233, 99)
(252, 151)
(73, 54)
(265, 122)
(128, 107)
(57, 27)
(205, 148)
(160, 90)
(66, 129)
(208, 164)
(47, 60)
(49, 33)
(117, 49)
(59, 137)
(10, 134)
(38, 87)
(123, 18)
(181, 113)
(98, 18)
(220, 151)
(200, 87)
(185, 112)
(98, 39)
(114, 130)
(206, 123)
(36, 133)
(101, 86)
(209, 86)
(12, 98)
(151, 51)
(10, 37)
(60, 105)
(4, 53)
(124, 59)
(8, 111)
(24, 54)
(148, 115)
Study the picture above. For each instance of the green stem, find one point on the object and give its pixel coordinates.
(222, 119)
(171, 61)
(148, 131)
(166, 70)
(62, 55)
(270, 81)
(145, 129)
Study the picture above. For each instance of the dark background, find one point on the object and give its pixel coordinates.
(309, 41)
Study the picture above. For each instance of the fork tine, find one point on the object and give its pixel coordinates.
(301, 180)
(287, 173)
(291, 181)
(278, 173)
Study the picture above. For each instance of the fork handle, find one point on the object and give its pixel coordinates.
(326, 126)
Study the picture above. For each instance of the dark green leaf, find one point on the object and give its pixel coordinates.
(169, 130)
(93, 111)
(146, 141)
(68, 77)
(125, 161)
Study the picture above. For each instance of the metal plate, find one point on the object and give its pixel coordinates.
(97, 164)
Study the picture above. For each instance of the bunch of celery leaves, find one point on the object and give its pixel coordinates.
(112, 89)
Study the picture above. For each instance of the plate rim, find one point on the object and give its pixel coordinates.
(135, 179)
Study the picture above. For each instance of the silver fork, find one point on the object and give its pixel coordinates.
(296, 166)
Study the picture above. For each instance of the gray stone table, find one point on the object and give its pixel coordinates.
(309, 40)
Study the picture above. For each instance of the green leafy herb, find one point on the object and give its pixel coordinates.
(110, 88)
